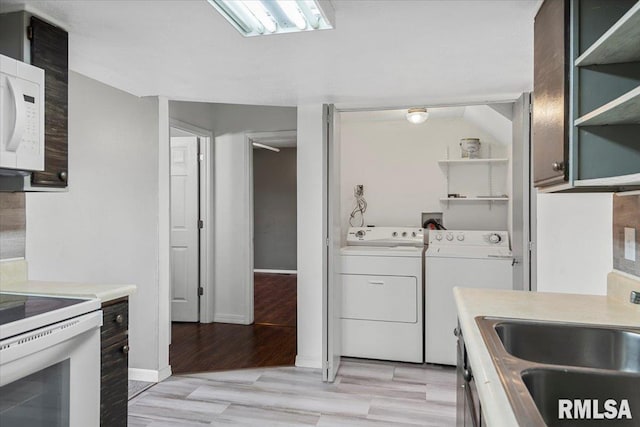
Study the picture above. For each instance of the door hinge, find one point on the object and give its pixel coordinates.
(530, 246)
(530, 108)
(326, 242)
(200, 223)
(200, 157)
(30, 32)
(200, 290)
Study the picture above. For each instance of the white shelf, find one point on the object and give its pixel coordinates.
(624, 180)
(623, 110)
(474, 199)
(471, 161)
(621, 43)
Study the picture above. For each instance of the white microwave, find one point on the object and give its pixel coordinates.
(21, 115)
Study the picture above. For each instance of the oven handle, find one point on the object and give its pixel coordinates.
(32, 342)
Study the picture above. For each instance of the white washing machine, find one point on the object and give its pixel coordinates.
(382, 293)
(469, 259)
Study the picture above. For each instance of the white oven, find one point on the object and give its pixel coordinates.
(49, 361)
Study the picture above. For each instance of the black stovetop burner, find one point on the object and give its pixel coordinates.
(21, 306)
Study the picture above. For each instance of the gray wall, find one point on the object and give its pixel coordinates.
(12, 225)
(274, 207)
(105, 228)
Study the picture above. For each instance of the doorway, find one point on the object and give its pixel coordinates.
(191, 223)
(275, 233)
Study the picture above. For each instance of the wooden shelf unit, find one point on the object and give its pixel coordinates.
(623, 110)
(618, 44)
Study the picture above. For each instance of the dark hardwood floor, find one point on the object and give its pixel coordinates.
(270, 341)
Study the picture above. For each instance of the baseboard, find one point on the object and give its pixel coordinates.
(308, 362)
(261, 270)
(230, 318)
(150, 375)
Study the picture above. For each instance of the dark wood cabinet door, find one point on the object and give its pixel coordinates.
(114, 372)
(551, 93)
(50, 51)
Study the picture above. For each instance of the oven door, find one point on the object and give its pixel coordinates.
(51, 376)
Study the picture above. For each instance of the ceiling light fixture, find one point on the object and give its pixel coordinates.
(263, 17)
(417, 115)
(266, 147)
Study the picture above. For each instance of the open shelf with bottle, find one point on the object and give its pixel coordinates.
(475, 180)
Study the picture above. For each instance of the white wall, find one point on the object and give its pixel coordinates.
(233, 206)
(397, 162)
(105, 228)
(574, 242)
(310, 235)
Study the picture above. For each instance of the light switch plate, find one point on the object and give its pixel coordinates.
(630, 243)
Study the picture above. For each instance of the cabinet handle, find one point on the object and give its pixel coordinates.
(125, 349)
(558, 166)
(63, 176)
(376, 282)
(119, 318)
(456, 332)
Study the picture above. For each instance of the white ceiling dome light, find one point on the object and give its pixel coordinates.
(417, 115)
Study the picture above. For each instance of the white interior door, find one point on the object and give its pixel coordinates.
(332, 285)
(520, 235)
(184, 229)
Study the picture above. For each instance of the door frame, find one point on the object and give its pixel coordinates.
(343, 108)
(206, 213)
(265, 137)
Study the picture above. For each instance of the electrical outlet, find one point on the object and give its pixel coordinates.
(630, 243)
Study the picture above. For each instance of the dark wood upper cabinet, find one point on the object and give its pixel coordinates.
(50, 51)
(551, 93)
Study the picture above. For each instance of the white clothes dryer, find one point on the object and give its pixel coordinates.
(382, 293)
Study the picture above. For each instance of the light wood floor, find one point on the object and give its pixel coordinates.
(366, 393)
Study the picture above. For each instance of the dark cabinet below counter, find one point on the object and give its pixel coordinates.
(468, 409)
(114, 370)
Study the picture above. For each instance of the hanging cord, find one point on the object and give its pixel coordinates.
(360, 208)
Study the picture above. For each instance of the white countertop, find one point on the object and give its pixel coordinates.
(13, 278)
(571, 308)
(104, 293)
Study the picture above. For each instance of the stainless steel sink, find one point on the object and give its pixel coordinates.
(542, 362)
(571, 345)
(548, 386)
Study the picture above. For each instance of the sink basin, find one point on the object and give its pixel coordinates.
(571, 345)
(547, 386)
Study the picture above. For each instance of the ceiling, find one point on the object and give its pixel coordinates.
(381, 53)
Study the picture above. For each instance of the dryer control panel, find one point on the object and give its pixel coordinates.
(385, 236)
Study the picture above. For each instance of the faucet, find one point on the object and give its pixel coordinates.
(634, 298)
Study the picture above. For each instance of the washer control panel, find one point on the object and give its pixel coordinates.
(469, 238)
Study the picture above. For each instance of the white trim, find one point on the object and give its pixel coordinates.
(263, 270)
(249, 284)
(149, 375)
(164, 234)
(207, 201)
(232, 318)
(308, 362)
